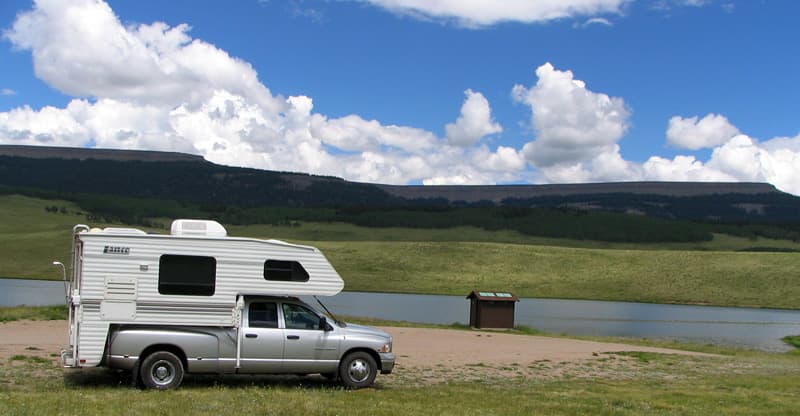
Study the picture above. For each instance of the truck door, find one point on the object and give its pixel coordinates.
(262, 341)
(307, 348)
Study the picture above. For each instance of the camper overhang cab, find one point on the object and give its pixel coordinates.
(199, 301)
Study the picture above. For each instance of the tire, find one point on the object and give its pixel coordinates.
(358, 370)
(161, 370)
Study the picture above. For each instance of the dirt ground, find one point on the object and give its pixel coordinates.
(436, 354)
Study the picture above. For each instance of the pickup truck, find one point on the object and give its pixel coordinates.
(277, 335)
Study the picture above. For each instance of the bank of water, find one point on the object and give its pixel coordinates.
(744, 327)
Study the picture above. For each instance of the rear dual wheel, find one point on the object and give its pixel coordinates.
(161, 370)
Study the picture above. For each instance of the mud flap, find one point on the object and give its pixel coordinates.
(136, 380)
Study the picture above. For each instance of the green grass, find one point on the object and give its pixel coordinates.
(456, 261)
(661, 276)
(627, 383)
(758, 396)
(30, 359)
(31, 238)
(794, 341)
(36, 313)
(617, 384)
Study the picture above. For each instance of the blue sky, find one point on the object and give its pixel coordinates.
(634, 90)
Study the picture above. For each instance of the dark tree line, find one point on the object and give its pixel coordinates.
(135, 192)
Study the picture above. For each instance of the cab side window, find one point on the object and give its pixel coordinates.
(298, 317)
(263, 315)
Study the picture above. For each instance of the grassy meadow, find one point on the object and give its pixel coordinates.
(455, 261)
(733, 382)
(759, 391)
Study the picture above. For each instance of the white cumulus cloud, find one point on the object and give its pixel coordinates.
(479, 13)
(572, 123)
(577, 133)
(691, 133)
(154, 87)
(740, 158)
(474, 123)
(81, 48)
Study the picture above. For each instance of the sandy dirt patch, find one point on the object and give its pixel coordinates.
(432, 356)
(413, 346)
(40, 338)
(424, 355)
(429, 347)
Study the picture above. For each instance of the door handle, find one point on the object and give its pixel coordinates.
(293, 337)
(251, 335)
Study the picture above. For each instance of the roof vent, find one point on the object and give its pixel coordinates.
(196, 228)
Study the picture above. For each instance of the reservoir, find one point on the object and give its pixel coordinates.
(743, 327)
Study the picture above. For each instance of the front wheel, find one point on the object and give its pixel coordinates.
(358, 370)
(161, 370)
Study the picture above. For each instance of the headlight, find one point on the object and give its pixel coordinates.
(387, 347)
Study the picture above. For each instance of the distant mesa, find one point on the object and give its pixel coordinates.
(451, 193)
(498, 193)
(46, 152)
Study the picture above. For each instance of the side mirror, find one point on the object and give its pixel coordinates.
(324, 325)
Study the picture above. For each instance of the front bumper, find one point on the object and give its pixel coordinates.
(387, 362)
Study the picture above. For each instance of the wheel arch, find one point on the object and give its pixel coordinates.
(371, 352)
(164, 347)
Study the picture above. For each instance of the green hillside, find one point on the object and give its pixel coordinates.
(457, 260)
(134, 187)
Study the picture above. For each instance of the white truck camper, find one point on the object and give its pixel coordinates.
(199, 301)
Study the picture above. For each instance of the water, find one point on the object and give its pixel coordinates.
(16, 292)
(745, 327)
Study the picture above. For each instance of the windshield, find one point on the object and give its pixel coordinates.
(327, 313)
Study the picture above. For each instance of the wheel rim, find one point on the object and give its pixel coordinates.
(358, 370)
(163, 372)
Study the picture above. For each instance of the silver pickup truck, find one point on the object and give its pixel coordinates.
(277, 335)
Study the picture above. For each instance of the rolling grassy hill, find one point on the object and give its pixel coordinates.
(457, 260)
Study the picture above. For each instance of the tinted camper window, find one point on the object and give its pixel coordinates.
(186, 275)
(285, 271)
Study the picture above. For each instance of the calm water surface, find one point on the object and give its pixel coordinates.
(746, 327)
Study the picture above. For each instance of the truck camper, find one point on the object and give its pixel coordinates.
(199, 301)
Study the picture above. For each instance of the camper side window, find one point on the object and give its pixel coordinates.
(263, 315)
(285, 271)
(187, 275)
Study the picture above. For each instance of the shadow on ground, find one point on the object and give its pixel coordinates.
(103, 377)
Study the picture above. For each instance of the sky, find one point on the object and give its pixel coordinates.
(417, 91)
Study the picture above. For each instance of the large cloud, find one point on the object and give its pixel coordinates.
(573, 126)
(741, 158)
(577, 133)
(152, 86)
(476, 13)
(81, 48)
(691, 133)
(474, 123)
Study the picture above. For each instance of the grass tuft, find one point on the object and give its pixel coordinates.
(793, 340)
(33, 313)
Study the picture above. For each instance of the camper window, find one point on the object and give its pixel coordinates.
(186, 275)
(285, 271)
